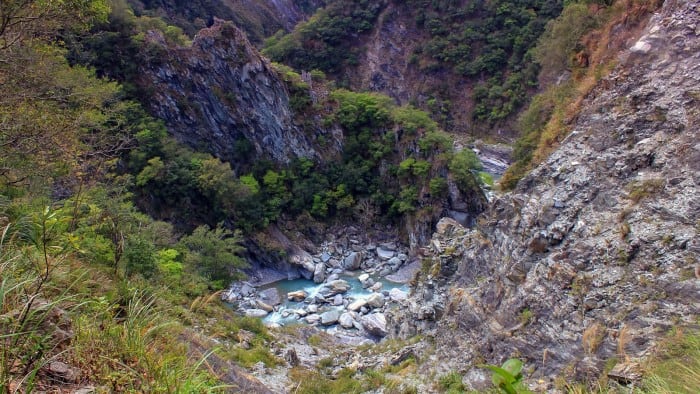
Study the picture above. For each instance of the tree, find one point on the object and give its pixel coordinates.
(215, 254)
(27, 19)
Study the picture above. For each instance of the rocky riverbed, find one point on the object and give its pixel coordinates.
(347, 286)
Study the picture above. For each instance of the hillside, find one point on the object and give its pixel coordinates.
(178, 213)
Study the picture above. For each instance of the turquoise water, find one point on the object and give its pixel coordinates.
(285, 286)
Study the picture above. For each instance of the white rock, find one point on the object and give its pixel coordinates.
(398, 294)
(357, 305)
(255, 313)
(376, 300)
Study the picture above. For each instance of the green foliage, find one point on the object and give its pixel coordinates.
(561, 38)
(486, 41)
(508, 377)
(462, 167)
(452, 383)
(324, 42)
(215, 254)
(168, 266)
(676, 368)
(139, 256)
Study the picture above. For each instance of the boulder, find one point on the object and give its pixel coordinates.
(375, 324)
(363, 278)
(395, 262)
(301, 312)
(398, 294)
(256, 313)
(270, 296)
(357, 305)
(346, 320)
(448, 227)
(330, 317)
(353, 261)
(338, 300)
(338, 286)
(312, 319)
(377, 286)
(266, 307)
(319, 273)
(325, 257)
(312, 308)
(385, 254)
(297, 296)
(247, 289)
(376, 300)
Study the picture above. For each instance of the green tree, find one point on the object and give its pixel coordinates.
(215, 254)
(139, 256)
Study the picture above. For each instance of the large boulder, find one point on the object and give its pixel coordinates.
(398, 294)
(346, 320)
(319, 273)
(376, 300)
(353, 261)
(357, 305)
(270, 296)
(385, 254)
(330, 317)
(256, 313)
(296, 296)
(338, 286)
(375, 324)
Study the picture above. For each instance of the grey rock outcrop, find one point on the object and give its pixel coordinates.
(222, 95)
(599, 240)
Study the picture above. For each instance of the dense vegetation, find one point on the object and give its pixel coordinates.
(488, 42)
(327, 41)
(258, 19)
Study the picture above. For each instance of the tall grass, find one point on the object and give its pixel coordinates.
(676, 368)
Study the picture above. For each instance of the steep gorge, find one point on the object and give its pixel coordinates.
(595, 255)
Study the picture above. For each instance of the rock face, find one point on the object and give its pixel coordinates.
(222, 95)
(598, 243)
(375, 324)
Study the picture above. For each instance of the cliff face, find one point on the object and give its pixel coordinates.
(222, 96)
(595, 254)
(259, 19)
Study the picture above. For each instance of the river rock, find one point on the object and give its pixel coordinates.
(312, 308)
(325, 257)
(319, 273)
(300, 312)
(256, 313)
(376, 300)
(266, 307)
(270, 296)
(353, 261)
(384, 254)
(247, 289)
(375, 324)
(395, 262)
(357, 305)
(377, 286)
(397, 294)
(338, 300)
(346, 320)
(297, 296)
(363, 279)
(330, 317)
(313, 318)
(338, 286)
